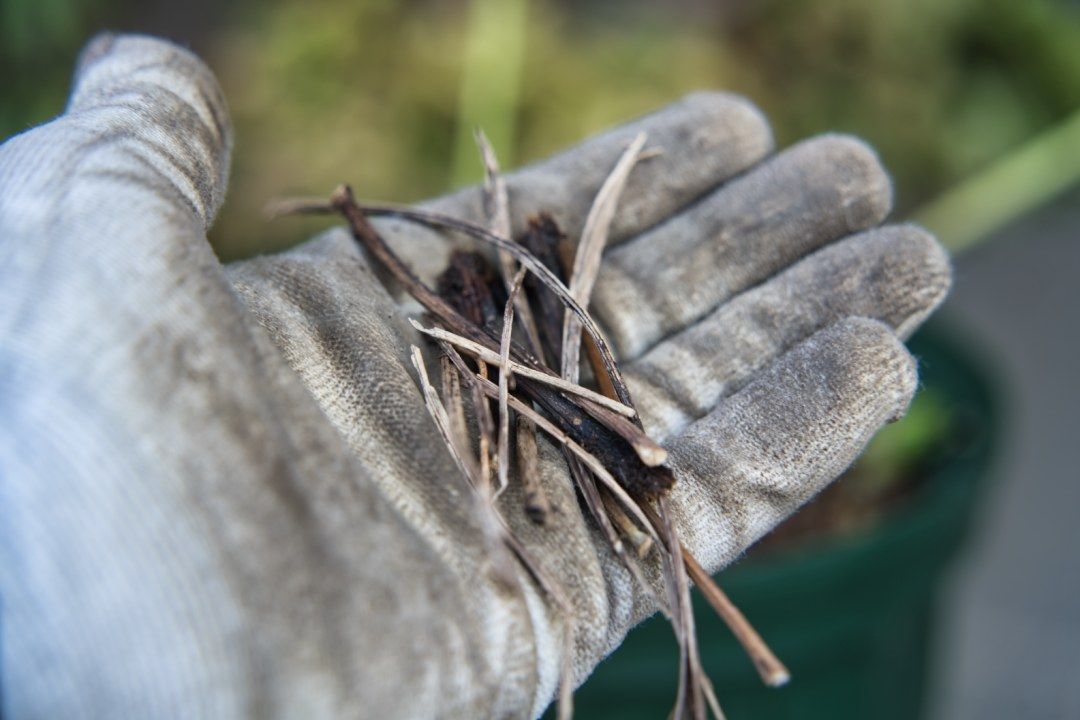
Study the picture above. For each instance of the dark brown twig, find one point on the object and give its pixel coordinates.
(344, 201)
(537, 506)
(542, 238)
(591, 461)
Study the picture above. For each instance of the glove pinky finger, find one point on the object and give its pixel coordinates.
(769, 448)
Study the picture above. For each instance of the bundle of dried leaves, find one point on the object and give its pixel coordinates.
(520, 321)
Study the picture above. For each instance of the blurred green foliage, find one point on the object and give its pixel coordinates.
(370, 92)
(383, 93)
(38, 40)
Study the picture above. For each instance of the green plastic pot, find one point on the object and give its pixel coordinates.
(852, 617)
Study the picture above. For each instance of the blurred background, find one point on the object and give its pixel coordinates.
(939, 577)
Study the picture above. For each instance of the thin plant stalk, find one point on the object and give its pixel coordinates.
(504, 382)
(590, 251)
(474, 348)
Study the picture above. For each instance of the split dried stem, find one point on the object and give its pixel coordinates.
(590, 251)
(637, 537)
(594, 502)
(504, 381)
(537, 506)
(497, 210)
(490, 522)
(499, 531)
(455, 406)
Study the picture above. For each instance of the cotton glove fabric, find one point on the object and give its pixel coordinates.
(220, 492)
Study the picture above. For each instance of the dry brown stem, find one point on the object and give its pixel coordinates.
(497, 210)
(490, 522)
(595, 430)
(504, 380)
(499, 533)
(586, 266)
(537, 506)
(772, 671)
(489, 356)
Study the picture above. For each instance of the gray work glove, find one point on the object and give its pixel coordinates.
(221, 493)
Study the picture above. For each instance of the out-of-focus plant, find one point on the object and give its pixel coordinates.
(943, 90)
(490, 82)
(385, 92)
(377, 92)
(38, 39)
(1025, 178)
(335, 90)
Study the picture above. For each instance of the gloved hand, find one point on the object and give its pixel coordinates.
(221, 493)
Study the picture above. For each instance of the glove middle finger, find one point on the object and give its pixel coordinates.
(737, 236)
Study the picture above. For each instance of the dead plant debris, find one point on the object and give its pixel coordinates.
(523, 316)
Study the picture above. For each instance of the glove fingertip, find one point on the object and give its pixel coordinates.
(94, 50)
(866, 186)
(880, 361)
(734, 116)
(155, 90)
(931, 264)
